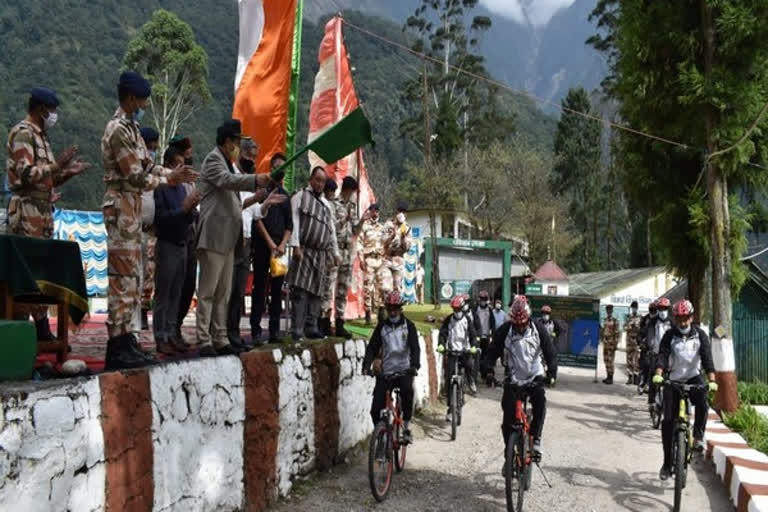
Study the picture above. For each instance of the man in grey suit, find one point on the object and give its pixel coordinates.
(219, 230)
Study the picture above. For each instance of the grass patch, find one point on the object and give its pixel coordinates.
(753, 393)
(415, 313)
(752, 425)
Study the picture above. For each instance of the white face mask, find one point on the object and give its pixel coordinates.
(685, 330)
(545, 318)
(458, 314)
(634, 311)
(400, 217)
(497, 306)
(663, 314)
(394, 319)
(50, 121)
(483, 304)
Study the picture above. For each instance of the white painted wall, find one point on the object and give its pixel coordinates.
(52, 447)
(354, 395)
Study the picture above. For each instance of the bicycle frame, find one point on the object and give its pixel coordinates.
(523, 424)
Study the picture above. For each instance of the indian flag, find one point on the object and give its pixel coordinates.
(267, 74)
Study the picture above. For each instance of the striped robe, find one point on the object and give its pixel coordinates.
(316, 235)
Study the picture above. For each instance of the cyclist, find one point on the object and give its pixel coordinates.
(683, 351)
(484, 320)
(395, 345)
(457, 334)
(642, 341)
(522, 342)
(656, 330)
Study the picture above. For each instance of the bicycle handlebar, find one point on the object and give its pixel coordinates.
(685, 387)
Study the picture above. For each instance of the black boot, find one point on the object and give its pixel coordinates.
(367, 318)
(44, 330)
(324, 326)
(144, 320)
(120, 354)
(341, 332)
(609, 379)
(630, 379)
(133, 345)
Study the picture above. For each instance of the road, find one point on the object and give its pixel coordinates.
(600, 454)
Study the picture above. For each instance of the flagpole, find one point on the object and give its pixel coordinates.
(293, 102)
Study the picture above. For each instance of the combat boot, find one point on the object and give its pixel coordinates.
(630, 379)
(44, 330)
(367, 318)
(609, 379)
(120, 354)
(341, 332)
(324, 325)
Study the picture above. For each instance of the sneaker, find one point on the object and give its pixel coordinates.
(407, 439)
(448, 415)
(664, 473)
(699, 445)
(537, 449)
(472, 388)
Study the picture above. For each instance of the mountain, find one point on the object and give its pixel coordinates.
(79, 52)
(544, 55)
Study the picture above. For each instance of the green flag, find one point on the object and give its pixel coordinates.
(343, 138)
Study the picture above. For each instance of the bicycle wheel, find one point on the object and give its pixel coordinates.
(528, 468)
(680, 469)
(656, 416)
(461, 404)
(454, 409)
(400, 448)
(514, 467)
(380, 462)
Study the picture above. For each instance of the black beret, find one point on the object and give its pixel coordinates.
(229, 129)
(634, 304)
(180, 142)
(402, 206)
(609, 307)
(133, 83)
(149, 134)
(349, 183)
(45, 96)
(374, 206)
(330, 185)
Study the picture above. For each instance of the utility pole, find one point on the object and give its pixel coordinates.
(727, 397)
(435, 284)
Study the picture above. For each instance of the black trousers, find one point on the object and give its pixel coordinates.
(538, 400)
(466, 361)
(189, 286)
(261, 257)
(652, 388)
(242, 265)
(405, 384)
(671, 410)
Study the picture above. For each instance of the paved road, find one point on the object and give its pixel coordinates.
(600, 456)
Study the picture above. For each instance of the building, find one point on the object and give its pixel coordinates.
(549, 279)
(622, 287)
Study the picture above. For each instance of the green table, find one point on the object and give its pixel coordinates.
(41, 271)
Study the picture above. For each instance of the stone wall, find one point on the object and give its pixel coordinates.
(226, 433)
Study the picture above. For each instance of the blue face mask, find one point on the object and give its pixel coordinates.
(138, 115)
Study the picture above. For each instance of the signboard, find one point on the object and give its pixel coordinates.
(449, 289)
(578, 346)
(416, 232)
(533, 289)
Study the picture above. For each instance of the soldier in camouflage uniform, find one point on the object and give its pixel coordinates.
(609, 336)
(148, 238)
(372, 253)
(397, 240)
(128, 171)
(632, 328)
(338, 278)
(33, 172)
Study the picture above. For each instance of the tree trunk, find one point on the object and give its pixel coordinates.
(727, 397)
(649, 255)
(435, 260)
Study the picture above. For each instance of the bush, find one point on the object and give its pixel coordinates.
(753, 393)
(752, 425)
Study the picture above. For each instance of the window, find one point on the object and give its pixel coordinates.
(447, 222)
(465, 231)
(551, 290)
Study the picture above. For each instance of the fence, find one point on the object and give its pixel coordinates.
(750, 338)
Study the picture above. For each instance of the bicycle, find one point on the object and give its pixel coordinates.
(386, 446)
(657, 407)
(519, 456)
(682, 445)
(456, 390)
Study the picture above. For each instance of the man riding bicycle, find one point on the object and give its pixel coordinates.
(395, 346)
(657, 328)
(457, 334)
(522, 343)
(683, 350)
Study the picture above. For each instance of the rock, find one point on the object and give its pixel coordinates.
(73, 367)
(53, 415)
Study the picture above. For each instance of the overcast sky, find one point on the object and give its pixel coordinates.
(539, 11)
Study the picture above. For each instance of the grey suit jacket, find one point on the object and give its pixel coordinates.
(221, 220)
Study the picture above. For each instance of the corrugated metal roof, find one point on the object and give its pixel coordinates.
(601, 284)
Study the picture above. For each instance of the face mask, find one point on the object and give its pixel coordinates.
(394, 319)
(188, 161)
(483, 304)
(246, 166)
(50, 121)
(545, 318)
(663, 314)
(685, 330)
(458, 314)
(497, 306)
(634, 311)
(138, 115)
(400, 217)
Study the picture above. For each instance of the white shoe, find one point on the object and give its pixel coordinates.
(699, 445)
(448, 416)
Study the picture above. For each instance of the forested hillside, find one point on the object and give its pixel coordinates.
(79, 52)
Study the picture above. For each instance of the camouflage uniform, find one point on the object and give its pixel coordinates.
(346, 222)
(370, 246)
(149, 241)
(128, 170)
(397, 241)
(610, 339)
(32, 174)
(632, 328)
